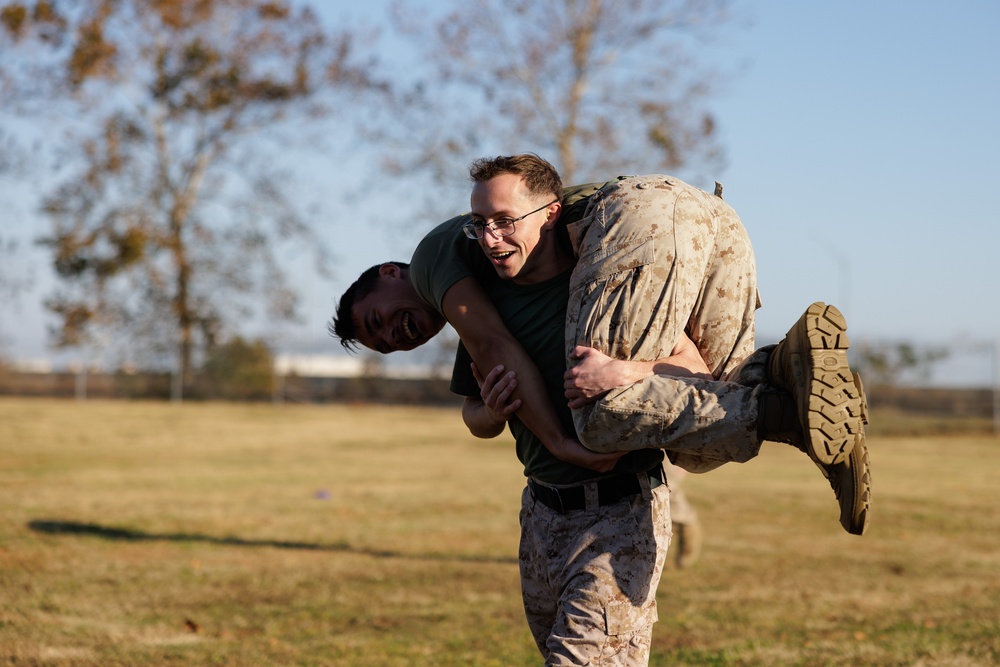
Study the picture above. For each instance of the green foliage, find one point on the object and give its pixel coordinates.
(238, 369)
(896, 363)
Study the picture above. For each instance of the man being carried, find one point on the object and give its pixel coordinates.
(592, 546)
(682, 262)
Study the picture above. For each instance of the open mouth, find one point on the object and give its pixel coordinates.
(500, 256)
(409, 328)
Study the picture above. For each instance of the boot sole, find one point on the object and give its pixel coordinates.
(832, 411)
(855, 517)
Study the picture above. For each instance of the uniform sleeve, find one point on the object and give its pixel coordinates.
(442, 258)
(576, 198)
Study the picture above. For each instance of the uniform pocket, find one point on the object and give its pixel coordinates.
(624, 618)
(606, 297)
(607, 260)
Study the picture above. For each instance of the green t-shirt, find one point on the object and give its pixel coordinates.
(536, 315)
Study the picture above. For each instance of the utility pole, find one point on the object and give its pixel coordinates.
(843, 272)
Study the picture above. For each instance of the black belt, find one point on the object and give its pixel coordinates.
(609, 491)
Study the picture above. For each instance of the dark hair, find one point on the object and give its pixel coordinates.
(342, 324)
(539, 176)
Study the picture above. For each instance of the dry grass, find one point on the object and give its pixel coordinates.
(157, 534)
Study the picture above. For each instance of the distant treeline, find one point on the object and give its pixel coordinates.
(977, 403)
(157, 386)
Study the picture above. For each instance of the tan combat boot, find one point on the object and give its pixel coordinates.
(850, 479)
(811, 364)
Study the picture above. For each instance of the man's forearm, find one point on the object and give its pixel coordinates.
(480, 420)
(490, 344)
(592, 374)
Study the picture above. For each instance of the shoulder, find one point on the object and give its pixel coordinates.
(443, 257)
(576, 198)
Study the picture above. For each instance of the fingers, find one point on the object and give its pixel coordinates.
(489, 380)
(608, 463)
(601, 462)
(581, 400)
(500, 394)
(496, 389)
(494, 374)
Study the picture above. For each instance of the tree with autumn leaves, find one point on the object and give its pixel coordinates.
(597, 87)
(165, 222)
(168, 204)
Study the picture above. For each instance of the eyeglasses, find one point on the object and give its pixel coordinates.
(498, 228)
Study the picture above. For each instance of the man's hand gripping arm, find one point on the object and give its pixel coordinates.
(491, 345)
(594, 373)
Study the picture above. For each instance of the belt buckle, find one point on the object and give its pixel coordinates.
(541, 492)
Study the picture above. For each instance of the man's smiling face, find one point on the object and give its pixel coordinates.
(530, 253)
(393, 317)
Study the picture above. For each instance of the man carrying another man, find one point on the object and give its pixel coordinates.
(640, 261)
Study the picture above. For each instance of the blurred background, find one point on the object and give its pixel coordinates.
(186, 188)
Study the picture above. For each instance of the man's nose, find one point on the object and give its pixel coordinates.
(490, 239)
(389, 334)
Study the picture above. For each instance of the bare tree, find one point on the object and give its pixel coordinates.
(180, 114)
(897, 363)
(599, 87)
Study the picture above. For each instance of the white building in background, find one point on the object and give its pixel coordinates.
(303, 377)
(32, 365)
(317, 365)
(331, 366)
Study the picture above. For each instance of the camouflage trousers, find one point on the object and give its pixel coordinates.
(589, 577)
(658, 258)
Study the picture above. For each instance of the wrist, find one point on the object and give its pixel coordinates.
(557, 443)
(637, 371)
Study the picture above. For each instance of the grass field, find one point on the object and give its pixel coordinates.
(158, 534)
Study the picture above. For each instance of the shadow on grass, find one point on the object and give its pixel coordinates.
(131, 535)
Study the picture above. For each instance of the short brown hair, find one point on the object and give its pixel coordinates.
(539, 176)
(342, 324)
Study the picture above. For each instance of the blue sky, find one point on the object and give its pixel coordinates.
(863, 157)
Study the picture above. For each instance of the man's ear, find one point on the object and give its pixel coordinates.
(553, 212)
(390, 270)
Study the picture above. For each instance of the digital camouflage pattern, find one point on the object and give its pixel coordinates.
(589, 577)
(658, 257)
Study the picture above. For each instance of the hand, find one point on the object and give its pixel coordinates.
(571, 451)
(593, 374)
(495, 390)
